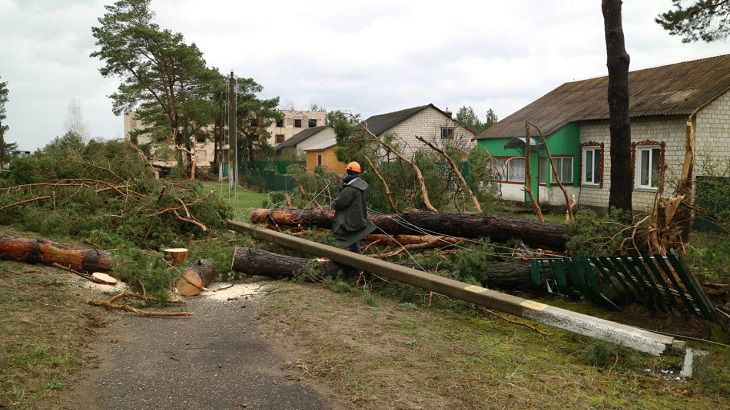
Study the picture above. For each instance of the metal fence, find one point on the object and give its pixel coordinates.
(266, 176)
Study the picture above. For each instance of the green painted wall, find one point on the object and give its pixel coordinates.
(564, 142)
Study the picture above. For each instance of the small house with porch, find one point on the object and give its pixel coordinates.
(574, 119)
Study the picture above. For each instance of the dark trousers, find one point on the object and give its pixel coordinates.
(355, 247)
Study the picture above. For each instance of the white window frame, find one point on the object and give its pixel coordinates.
(597, 154)
(637, 166)
(509, 177)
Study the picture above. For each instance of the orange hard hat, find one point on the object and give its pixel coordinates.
(354, 166)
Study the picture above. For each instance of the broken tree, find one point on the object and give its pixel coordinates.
(48, 253)
(499, 229)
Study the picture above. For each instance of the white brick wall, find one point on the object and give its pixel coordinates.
(427, 124)
(669, 130)
(712, 134)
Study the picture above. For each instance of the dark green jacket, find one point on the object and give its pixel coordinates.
(351, 214)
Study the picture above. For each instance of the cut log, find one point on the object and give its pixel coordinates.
(178, 256)
(48, 252)
(251, 261)
(195, 277)
(498, 228)
(103, 278)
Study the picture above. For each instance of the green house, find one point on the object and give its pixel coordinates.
(574, 120)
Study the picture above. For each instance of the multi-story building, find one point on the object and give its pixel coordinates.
(293, 123)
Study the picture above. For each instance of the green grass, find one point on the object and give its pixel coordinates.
(377, 352)
(241, 199)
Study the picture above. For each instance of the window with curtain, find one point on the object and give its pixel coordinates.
(647, 167)
(516, 170)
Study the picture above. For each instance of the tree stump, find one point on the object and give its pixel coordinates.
(195, 278)
(178, 256)
(103, 278)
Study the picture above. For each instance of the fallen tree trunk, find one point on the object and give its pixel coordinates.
(498, 228)
(195, 277)
(48, 252)
(252, 261)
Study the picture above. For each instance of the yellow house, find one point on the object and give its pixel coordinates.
(324, 154)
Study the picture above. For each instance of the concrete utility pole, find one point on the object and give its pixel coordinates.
(232, 134)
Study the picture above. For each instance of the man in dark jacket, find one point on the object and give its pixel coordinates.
(351, 222)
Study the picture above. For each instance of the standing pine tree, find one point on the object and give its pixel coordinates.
(708, 20)
(165, 80)
(619, 195)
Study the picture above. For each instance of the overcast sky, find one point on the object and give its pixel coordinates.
(368, 57)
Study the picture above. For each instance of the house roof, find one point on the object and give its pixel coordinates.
(322, 145)
(676, 89)
(300, 136)
(378, 124)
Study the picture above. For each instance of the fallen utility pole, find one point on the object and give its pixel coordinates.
(252, 261)
(498, 228)
(579, 323)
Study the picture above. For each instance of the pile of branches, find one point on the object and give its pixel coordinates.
(105, 192)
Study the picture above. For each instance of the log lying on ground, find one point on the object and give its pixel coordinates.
(252, 261)
(195, 277)
(48, 252)
(499, 229)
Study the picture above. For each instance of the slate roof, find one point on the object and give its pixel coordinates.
(300, 136)
(676, 89)
(380, 123)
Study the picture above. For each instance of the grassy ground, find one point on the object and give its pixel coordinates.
(241, 200)
(379, 353)
(44, 326)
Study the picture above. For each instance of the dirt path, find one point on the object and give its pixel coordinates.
(219, 358)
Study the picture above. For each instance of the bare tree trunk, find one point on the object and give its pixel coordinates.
(617, 60)
(568, 204)
(455, 170)
(528, 177)
(684, 187)
(386, 187)
(419, 175)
